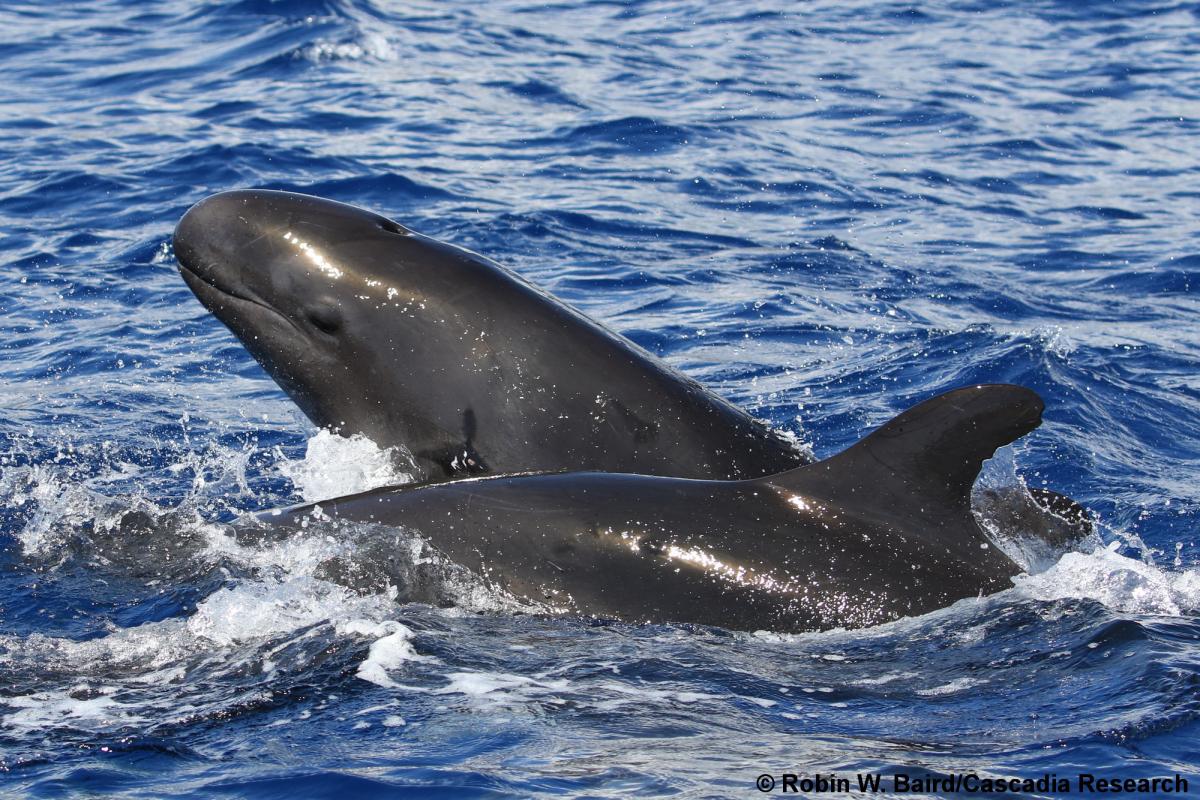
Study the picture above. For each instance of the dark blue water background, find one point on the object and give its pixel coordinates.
(825, 211)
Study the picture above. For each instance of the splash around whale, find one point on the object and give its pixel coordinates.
(575, 471)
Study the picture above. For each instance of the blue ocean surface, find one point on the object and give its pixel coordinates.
(824, 211)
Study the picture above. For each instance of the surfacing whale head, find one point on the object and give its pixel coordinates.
(301, 282)
(375, 329)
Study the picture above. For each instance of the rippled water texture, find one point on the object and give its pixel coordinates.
(826, 212)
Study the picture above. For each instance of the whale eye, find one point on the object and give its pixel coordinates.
(325, 317)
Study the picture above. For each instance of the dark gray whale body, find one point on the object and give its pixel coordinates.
(653, 499)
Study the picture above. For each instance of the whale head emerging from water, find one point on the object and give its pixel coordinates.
(374, 329)
(305, 284)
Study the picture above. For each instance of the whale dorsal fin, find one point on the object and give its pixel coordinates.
(926, 459)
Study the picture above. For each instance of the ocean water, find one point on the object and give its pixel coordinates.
(824, 211)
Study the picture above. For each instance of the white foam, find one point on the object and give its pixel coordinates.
(151, 651)
(953, 687)
(335, 465)
(255, 610)
(390, 650)
(608, 695)
(503, 689)
(235, 627)
(887, 677)
(1122, 584)
(43, 710)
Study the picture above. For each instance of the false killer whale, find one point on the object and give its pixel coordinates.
(880, 531)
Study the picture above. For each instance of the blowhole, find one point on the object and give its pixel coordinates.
(393, 227)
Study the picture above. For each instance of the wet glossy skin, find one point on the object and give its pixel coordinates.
(741, 555)
(377, 330)
(880, 531)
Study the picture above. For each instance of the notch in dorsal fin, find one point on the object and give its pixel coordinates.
(930, 453)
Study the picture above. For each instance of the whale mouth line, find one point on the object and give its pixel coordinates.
(202, 285)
